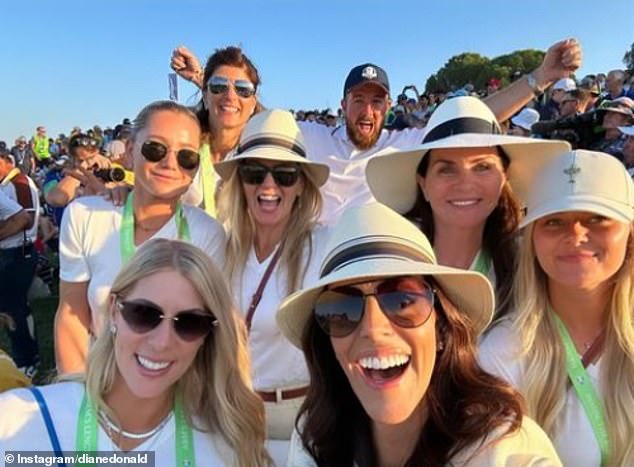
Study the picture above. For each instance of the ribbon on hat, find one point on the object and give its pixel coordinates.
(458, 126)
(365, 250)
(272, 141)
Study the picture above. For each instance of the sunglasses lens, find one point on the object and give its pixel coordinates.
(244, 89)
(140, 317)
(338, 314)
(188, 159)
(192, 326)
(217, 88)
(407, 302)
(285, 176)
(153, 151)
(220, 85)
(252, 174)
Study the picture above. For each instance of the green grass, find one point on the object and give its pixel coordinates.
(43, 310)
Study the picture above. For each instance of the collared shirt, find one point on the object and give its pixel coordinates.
(347, 187)
(21, 189)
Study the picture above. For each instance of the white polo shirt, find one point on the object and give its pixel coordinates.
(347, 187)
(22, 190)
(8, 206)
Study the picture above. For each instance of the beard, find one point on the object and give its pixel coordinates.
(361, 140)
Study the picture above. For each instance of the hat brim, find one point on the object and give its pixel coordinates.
(469, 291)
(627, 130)
(391, 174)
(587, 203)
(318, 171)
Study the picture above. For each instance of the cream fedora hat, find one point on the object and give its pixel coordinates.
(460, 122)
(581, 181)
(373, 241)
(272, 135)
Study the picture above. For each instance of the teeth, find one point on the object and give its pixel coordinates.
(269, 197)
(464, 203)
(150, 365)
(226, 108)
(383, 363)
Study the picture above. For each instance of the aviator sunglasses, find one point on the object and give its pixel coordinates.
(153, 151)
(406, 301)
(142, 316)
(220, 85)
(254, 174)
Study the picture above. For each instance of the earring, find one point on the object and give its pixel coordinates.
(441, 346)
(113, 329)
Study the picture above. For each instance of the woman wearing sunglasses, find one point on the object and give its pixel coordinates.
(460, 186)
(269, 203)
(569, 345)
(169, 374)
(228, 83)
(389, 337)
(97, 238)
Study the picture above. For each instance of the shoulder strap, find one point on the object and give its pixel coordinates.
(257, 296)
(594, 350)
(52, 434)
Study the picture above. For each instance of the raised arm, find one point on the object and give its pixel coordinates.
(187, 66)
(560, 61)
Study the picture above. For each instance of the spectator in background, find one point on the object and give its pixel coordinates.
(618, 113)
(521, 124)
(590, 84)
(550, 111)
(628, 148)
(615, 85)
(18, 261)
(332, 118)
(115, 150)
(39, 146)
(23, 156)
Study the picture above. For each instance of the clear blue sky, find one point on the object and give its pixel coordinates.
(67, 63)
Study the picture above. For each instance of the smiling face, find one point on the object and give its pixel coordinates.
(580, 250)
(389, 367)
(164, 179)
(228, 110)
(149, 364)
(270, 204)
(463, 185)
(365, 107)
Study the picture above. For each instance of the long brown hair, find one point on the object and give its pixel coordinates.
(465, 403)
(499, 239)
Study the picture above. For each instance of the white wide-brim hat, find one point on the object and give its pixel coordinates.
(581, 181)
(374, 242)
(272, 135)
(461, 122)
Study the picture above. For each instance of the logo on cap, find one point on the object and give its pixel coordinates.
(369, 72)
(572, 172)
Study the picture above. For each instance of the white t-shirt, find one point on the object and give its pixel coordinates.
(22, 428)
(347, 187)
(575, 441)
(275, 362)
(90, 246)
(23, 191)
(8, 207)
(526, 447)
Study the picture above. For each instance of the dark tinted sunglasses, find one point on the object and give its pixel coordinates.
(220, 85)
(406, 301)
(254, 174)
(142, 316)
(154, 151)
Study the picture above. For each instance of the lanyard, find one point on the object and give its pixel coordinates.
(586, 392)
(482, 262)
(208, 180)
(10, 176)
(126, 235)
(86, 440)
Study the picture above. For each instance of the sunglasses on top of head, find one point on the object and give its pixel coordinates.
(220, 85)
(406, 301)
(85, 142)
(143, 316)
(153, 151)
(285, 175)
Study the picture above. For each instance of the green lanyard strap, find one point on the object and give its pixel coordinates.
(586, 392)
(482, 262)
(127, 228)
(86, 439)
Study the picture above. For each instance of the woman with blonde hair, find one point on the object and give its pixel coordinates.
(97, 238)
(569, 344)
(270, 203)
(169, 373)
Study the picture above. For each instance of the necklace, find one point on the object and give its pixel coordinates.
(127, 434)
